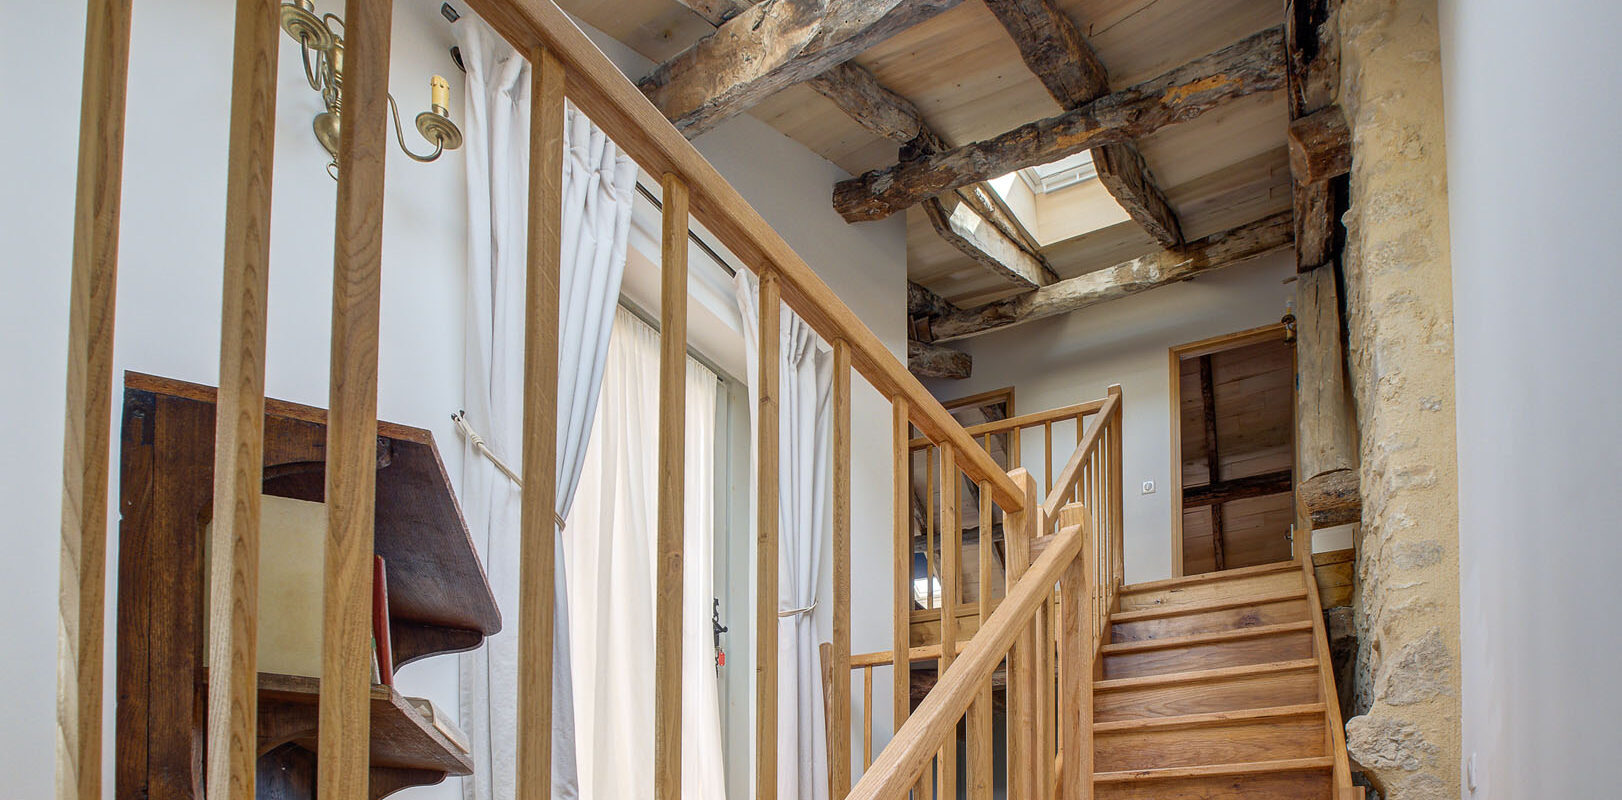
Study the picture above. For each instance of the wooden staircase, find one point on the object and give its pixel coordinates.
(1216, 686)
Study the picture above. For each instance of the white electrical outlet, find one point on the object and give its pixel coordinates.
(1148, 487)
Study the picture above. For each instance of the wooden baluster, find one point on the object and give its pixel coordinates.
(1047, 461)
(901, 518)
(1045, 750)
(1117, 543)
(951, 573)
(978, 725)
(931, 575)
(239, 434)
(1018, 530)
(839, 720)
(537, 509)
(88, 427)
(1077, 644)
(351, 476)
(766, 544)
(867, 718)
(667, 654)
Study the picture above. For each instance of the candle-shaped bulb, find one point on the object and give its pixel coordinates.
(440, 92)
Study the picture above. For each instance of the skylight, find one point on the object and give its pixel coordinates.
(1056, 175)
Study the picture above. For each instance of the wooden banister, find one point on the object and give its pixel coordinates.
(598, 88)
(1066, 482)
(900, 763)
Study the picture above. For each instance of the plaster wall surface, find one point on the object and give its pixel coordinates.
(1400, 317)
(1535, 297)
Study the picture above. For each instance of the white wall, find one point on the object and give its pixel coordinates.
(169, 291)
(1075, 357)
(1533, 171)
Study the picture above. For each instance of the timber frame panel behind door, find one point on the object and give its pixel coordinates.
(1176, 355)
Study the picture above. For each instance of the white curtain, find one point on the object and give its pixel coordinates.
(804, 441)
(598, 183)
(611, 545)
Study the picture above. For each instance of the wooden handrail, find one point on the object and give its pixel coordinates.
(1072, 469)
(598, 88)
(1030, 420)
(900, 763)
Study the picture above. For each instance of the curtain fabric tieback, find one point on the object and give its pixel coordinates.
(473, 437)
(798, 611)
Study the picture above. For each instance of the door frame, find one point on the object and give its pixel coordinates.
(1176, 355)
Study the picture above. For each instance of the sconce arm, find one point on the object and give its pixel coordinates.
(399, 133)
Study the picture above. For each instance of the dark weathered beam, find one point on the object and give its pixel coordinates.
(771, 46)
(1213, 461)
(1245, 68)
(1125, 174)
(717, 11)
(934, 361)
(1218, 492)
(961, 225)
(1320, 146)
(1059, 55)
(1331, 498)
(921, 302)
(1054, 49)
(1311, 76)
(860, 95)
(1127, 278)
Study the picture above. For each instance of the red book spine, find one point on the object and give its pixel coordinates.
(380, 621)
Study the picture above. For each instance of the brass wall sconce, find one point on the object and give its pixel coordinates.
(323, 35)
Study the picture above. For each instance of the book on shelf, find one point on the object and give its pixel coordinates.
(382, 642)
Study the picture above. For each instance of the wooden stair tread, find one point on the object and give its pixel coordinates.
(1215, 770)
(1222, 604)
(1205, 638)
(1209, 577)
(1202, 676)
(1214, 718)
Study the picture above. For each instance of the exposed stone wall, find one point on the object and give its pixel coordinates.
(1399, 312)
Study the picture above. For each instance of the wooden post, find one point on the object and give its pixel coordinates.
(667, 653)
(977, 726)
(951, 535)
(1077, 644)
(901, 578)
(88, 426)
(1327, 438)
(1113, 481)
(351, 475)
(766, 546)
(867, 718)
(239, 433)
(538, 501)
(1019, 528)
(839, 720)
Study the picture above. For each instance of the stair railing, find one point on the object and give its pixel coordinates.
(1047, 641)
(565, 65)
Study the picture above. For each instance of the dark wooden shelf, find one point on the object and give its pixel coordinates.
(439, 598)
(401, 737)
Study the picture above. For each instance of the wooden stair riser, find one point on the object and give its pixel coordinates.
(1239, 693)
(1262, 739)
(1285, 646)
(1206, 592)
(1226, 619)
(1309, 785)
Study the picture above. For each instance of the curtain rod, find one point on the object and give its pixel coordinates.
(691, 237)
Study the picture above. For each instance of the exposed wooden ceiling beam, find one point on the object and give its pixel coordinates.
(768, 47)
(1057, 52)
(1140, 274)
(717, 11)
(1253, 65)
(1218, 492)
(934, 361)
(967, 219)
(921, 302)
